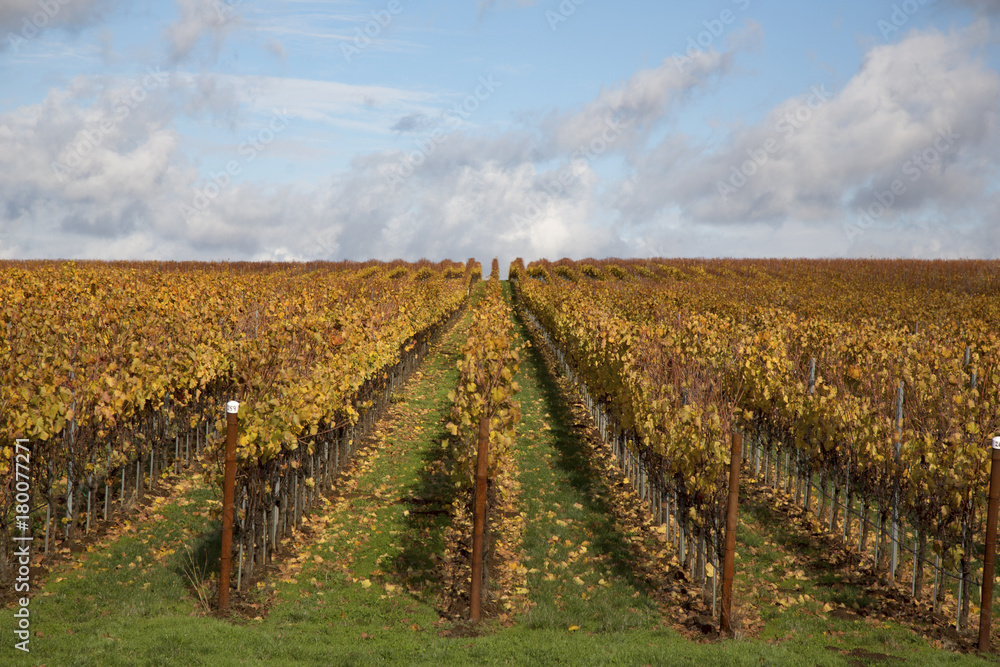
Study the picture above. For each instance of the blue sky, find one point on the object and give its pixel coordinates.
(242, 129)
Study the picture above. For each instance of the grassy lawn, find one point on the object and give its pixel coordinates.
(361, 589)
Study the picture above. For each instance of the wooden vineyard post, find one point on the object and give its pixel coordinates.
(479, 519)
(986, 604)
(228, 500)
(729, 563)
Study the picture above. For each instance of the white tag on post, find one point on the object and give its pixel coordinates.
(232, 407)
(996, 442)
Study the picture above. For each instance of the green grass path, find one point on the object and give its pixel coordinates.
(579, 563)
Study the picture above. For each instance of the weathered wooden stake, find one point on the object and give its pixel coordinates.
(730, 560)
(986, 604)
(479, 519)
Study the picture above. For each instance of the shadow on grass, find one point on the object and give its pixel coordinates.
(827, 565)
(198, 563)
(429, 507)
(571, 433)
(429, 500)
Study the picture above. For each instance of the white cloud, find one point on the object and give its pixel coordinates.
(200, 22)
(639, 103)
(927, 95)
(518, 190)
(276, 48)
(23, 20)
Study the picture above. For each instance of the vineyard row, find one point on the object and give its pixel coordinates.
(108, 366)
(665, 395)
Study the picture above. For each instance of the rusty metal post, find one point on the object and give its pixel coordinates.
(479, 519)
(228, 501)
(730, 560)
(986, 603)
